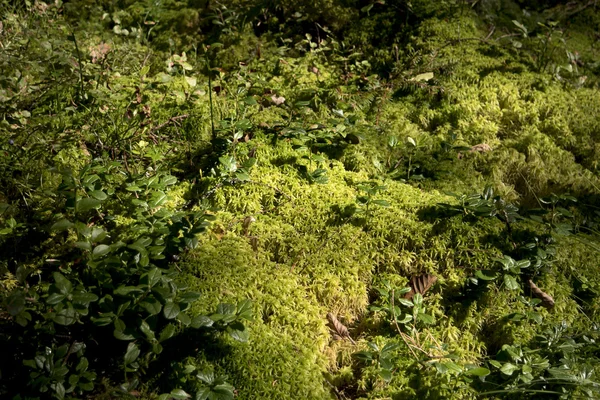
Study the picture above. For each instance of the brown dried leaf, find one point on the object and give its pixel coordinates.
(481, 148)
(420, 284)
(278, 100)
(339, 328)
(547, 300)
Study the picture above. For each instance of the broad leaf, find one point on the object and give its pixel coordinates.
(133, 351)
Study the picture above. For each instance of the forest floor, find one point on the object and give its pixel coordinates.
(286, 216)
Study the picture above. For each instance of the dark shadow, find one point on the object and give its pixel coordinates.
(188, 343)
(281, 160)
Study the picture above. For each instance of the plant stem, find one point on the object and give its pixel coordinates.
(212, 118)
(79, 64)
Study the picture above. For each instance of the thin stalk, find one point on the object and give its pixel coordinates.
(79, 64)
(212, 117)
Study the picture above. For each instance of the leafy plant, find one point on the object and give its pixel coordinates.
(113, 281)
(367, 203)
(411, 148)
(381, 357)
(484, 205)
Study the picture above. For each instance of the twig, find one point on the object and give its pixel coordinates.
(169, 121)
(335, 390)
(531, 189)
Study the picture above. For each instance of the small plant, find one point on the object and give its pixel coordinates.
(411, 148)
(484, 205)
(558, 362)
(543, 45)
(555, 216)
(391, 301)
(367, 203)
(383, 358)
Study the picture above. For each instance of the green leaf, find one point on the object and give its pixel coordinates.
(479, 371)
(184, 318)
(520, 26)
(250, 101)
(363, 355)
(169, 180)
(98, 195)
(202, 393)
(146, 330)
(126, 290)
(222, 392)
(55, 298)
(122, 335)
(191, 81)
(244, 309)
(83, 246)
(207, 377)
(426, 318)
(151, 305)
(385, 374)
(452, 367)
(407, 318)
(189, 297)
(171, 310)
(508, 369)
(226, 308)
(418, 299)
(537, 317)
(60, 390)
(101, 250)
(510, 282)
(405, 302)
(82, 365)
(167, 333)
(66, 316)
(151, 277)
(240, 334)
(61, 225)
(84, 298)
(179, 394)
(481, 274)
(62, 283)
(381, 203)
(88, 204)
(158, 199)
(201, 321)
(133, 352)
(16, 303)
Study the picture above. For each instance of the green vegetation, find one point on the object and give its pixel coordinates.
(336, 199)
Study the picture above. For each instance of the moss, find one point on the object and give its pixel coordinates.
(305, 255)
(300, 260)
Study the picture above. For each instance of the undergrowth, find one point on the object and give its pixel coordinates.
(256, 199)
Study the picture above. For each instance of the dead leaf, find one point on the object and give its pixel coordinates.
(339, 328)
(547, 300)
(278, 100)
(247, 222)
(420, 284)
(481, 148)
(99, 52)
